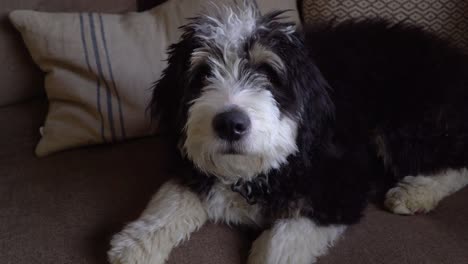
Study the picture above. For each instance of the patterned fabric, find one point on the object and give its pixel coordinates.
(448, 18)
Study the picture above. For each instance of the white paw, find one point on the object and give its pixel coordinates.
(293, 241)
(268, 249)
(413, 195)
(133, 247)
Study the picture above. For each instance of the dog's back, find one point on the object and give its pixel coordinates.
(399, 89)
(397, 79)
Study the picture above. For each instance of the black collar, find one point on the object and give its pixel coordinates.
(253, 190)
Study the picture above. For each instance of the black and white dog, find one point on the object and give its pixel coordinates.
(289, 130)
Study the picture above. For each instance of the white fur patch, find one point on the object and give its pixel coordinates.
(224, 205)
(421, 194)
(170, 217)
(229, 25)
(293, 241)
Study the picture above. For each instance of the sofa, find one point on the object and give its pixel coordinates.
(65, 207)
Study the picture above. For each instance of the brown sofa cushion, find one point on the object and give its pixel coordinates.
(17, 69)
(64, 208)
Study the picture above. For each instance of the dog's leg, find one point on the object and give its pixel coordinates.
(421, 194)
(170, 217)
(293, 241)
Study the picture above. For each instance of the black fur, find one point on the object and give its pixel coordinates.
(346, 84)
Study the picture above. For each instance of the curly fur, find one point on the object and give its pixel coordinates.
(336, 109)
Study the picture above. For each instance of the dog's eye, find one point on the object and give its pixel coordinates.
(203, 71)
(272, 74)
(200, 75)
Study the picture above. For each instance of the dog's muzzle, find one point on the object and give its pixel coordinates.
(232, 125)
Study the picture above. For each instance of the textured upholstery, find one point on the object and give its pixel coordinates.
(447, 18)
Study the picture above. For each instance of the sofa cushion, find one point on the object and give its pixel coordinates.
(448, 18)
(64, 208)
(18, 71)
(440, 237)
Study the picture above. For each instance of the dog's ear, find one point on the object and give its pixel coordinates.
(304, 83)
(166, 106)
(310, 90)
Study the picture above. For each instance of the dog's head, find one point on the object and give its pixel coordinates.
(235, 91)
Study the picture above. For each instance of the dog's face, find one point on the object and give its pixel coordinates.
(233, 92)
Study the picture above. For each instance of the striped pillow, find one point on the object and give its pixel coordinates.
(100, 68)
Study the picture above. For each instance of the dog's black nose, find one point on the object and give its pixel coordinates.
(231, 125)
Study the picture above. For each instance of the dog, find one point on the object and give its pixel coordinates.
(292, 129)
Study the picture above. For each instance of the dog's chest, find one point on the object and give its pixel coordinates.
(222, 204)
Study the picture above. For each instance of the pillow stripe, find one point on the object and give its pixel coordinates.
(97, 57)
(111, 74)
(90, 69)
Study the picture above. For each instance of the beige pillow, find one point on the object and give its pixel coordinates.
(100, 68)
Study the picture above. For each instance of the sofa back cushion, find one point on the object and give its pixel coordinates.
(447, 18)
(20, 78)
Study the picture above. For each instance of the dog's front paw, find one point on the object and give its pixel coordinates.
(413, 195)
(268, 249)
(294, 241)
(126, 249)
(133, 247)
